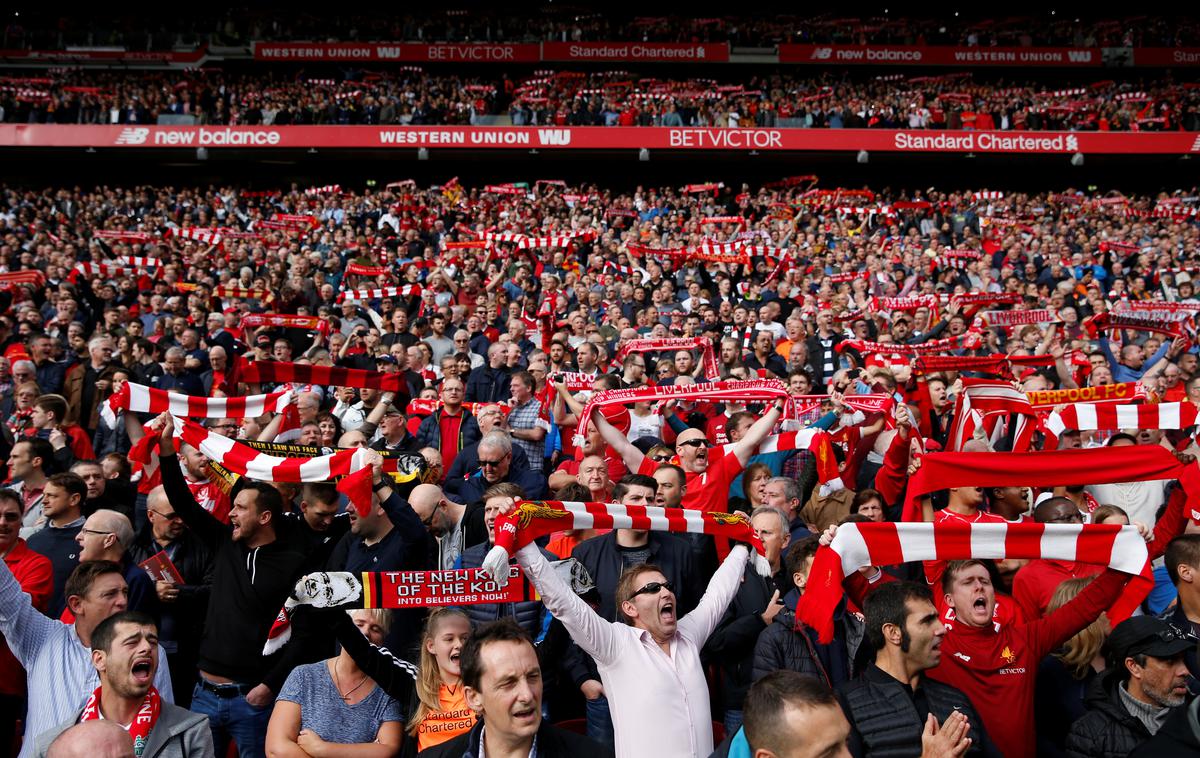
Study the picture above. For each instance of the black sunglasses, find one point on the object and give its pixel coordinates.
(493, 464)
(693, 443)
(653, 588)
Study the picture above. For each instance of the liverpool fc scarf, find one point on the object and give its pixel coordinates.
(1019, 318)
(676, 343)
(532, 519)
(286, 321)
(142, 724)
(1110, 393)
(1090, 417)
(856, 545)
(968, 341)
(142, 399)
(405, 290)
(1166, 322)
(279, 372)
(244, 293)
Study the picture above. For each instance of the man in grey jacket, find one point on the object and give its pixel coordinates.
(125, 656)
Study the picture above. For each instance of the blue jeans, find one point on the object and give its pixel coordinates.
(599, 721)
(233, 717)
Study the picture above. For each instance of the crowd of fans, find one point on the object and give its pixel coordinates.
(612, 98)
(503, 310)
(242, 26)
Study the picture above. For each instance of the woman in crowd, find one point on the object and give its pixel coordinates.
(334, 708)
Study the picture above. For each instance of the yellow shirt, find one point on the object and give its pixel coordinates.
(451, 719)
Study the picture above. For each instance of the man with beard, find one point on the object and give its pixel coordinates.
(1145, 685)
(894, 706)
(124, 655)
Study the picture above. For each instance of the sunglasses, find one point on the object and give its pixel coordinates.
(660, 458)
(693, 443)
(653, 588)
(492, 464)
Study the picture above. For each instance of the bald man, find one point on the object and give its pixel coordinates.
(92, 739)
(444, 520)
(107, 536)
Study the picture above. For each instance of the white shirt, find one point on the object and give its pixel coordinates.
(659, 702)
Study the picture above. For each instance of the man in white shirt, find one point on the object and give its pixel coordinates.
(650, 664)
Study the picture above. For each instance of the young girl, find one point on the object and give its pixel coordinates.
(432, 694)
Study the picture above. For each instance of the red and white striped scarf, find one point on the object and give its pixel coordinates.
(24, 276)
(140, 261)
(122, 236)
(280, 372)
(968, 341)
(1120, 548)
(209, 237)
(1093, 416)
(142, 399)
(105, 270)
(816, 441)
(243, 460)
(984, 403)
(405, 290)
(536, 518)
(524, 242)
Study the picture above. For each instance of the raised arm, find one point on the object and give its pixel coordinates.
(23, 626)
(593, 634)
(630, 455)
(205, 525)
(703, 619)
(396, 676)
(747, 446)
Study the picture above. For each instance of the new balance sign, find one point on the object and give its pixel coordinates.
(132, 135)
(930, 55)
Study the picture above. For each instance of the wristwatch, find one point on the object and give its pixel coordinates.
(381, 484)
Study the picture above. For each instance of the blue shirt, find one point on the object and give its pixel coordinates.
(323, 711)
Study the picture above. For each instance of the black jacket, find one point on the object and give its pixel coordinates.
(488, 385)
(467, 463)
(782, 646)
(1108, 729)
(732, 643)
(885, 722)
(1179, 737)
(249, 584)
(552, 742)
(181, 621)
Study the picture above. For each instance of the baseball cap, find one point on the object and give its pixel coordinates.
(1148, 635)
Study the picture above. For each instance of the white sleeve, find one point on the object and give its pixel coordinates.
(23, 626)
(592, 633)
(700, 623)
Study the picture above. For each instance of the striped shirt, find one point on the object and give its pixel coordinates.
(58, 666)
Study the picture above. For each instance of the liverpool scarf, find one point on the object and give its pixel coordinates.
(1162, 321)
(968, 341)
(532, 519)
(1091, 416)
(1019, 318)
(672, 344)
(143, 722)
(244, 293)
(142, 399)
(856, 545)
(405, 290)
(286, 321)
(1110, 393)
(279, 372)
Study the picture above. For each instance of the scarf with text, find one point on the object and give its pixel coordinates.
(1170, 322)
(1104, 393)
(1120, 548)
(142, 399)
(709, 359)
(1019, 318)
(143, 722)
(537, 518)
(286, 321)
(968, 341)
(281, 372)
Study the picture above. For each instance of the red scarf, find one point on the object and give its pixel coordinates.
(279, 372)
(676, 343)
(856, 545)
(143, 722)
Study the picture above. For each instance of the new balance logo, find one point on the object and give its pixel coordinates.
(966, 658)
(1196, 146)
(822, 53)
(554, 136)
(132, 135)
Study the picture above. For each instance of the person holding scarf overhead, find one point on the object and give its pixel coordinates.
(124, 653)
